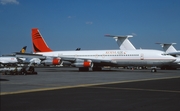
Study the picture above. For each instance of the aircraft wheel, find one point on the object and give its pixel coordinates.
(31, 69)
(153, 70)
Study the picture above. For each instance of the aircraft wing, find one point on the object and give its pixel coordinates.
(26, 55)
(79, 60)
(64, 58)
(72, 60)
(123, 36)
(9, 55)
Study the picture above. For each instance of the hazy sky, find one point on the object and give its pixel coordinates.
(68, 24)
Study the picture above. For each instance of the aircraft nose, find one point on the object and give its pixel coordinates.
(173, 59)
(177, 60)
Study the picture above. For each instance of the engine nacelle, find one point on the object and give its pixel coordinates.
(35, 61)
(82, 64)
(66, 63)
(54, 61)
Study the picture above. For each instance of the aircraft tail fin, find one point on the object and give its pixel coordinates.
(39, 44)
(168, 47)
(123, 42)
(23, 50)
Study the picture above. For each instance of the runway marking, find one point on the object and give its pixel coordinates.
(82, 85)
(52, 85)
(137, 89)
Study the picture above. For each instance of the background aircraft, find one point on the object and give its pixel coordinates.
(124, 43)
(11, 59)
(171, 50)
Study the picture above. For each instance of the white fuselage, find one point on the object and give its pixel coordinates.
(117, 57)
(7, 60)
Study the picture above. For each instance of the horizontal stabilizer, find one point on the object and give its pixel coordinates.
(165, 43)
(123, 41)
(121, 36)
(168, 47)
(174, 53)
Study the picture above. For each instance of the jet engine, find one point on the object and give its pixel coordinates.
(82, 63)
(53, 61)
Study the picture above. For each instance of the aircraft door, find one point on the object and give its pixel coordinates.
(142, 56)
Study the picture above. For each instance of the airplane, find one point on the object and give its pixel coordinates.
(124, 43)
(11, 59)
(96, 59)
(171, 50)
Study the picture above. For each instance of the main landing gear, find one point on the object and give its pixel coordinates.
(153, 70)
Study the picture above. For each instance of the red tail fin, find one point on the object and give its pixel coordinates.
(39, 44)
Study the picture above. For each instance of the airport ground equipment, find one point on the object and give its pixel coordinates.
(18, 70)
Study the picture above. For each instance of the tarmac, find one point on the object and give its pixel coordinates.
(67, 89)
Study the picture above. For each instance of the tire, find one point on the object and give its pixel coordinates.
(153, 70)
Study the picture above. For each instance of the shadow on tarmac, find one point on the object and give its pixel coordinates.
(4, 79)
